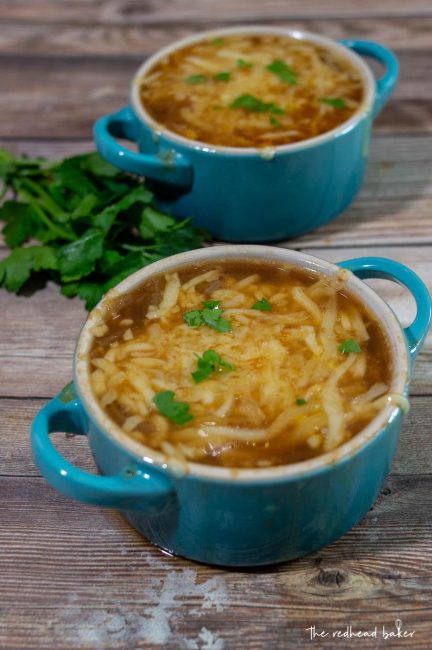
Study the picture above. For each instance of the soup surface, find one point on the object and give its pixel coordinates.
(240, 364)
(251, 90)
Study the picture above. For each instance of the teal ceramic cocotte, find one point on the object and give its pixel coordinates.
(248, 194)
(242, 517)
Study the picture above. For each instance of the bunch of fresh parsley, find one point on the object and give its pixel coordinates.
(83, 224)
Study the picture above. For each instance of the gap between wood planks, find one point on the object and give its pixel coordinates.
(173, 11)
(128, 37)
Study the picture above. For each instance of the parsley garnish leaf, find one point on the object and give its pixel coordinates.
(152, 222)
(349, 346)
(274, 121)
(244, 65)
(19, 222)
(210, 315)
(16, 269)
(252, 103)
(273, 108)
(195, 79)
(282, 71)
(213, 319)
(262, 305)
(222, 76)
(336, 102)
(177, 412)
(300, 401)
(194, 318)
(208, 364)
(95, 225)
(211, 304)
(79, 258)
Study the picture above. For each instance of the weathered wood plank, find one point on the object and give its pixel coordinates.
(42, 328)
(68, 93)
(414, 455)
(284, 631)
(177, 11)
(73, 577)
(15, 423)
(98, 584)
(120, 39)
(376, 222)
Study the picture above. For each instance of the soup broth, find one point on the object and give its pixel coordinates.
(240, 364)
(251, 90)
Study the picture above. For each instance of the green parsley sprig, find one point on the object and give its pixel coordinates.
(251, 103)
(177, 412)
(83, 224)
(282, 71)
(208, 363)
(222, 76)
(348, 346)
(262, 305)
(244, 65)
(336, 102)
(195, 79)
(210, 315)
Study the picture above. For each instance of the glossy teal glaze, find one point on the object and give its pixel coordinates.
(386, 84)
(232, 522)
(380, 267)
(246, 196)
(226, 523)
(131, 487)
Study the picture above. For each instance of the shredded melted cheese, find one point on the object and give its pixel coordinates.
(289, 392)
(294, 90)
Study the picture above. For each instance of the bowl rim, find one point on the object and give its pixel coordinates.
(142, 453)
(342, 51)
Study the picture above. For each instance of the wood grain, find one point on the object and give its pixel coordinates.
(96, 598)
(74, 577)
(173, 12)
(131, 39)
(115, 590)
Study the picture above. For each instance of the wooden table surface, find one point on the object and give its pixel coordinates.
(78, 577)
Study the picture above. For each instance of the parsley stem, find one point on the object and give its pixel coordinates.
(43, 217)
(49, 204)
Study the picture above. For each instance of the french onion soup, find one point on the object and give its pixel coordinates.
(251, 90)
(240, 364)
